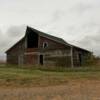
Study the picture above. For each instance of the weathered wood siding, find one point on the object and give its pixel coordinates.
(55, 54)
(59, 57)
(51, 43)
(16, 53)
(31, 59)
(85, 57)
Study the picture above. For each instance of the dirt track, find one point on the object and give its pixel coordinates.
(74, 90)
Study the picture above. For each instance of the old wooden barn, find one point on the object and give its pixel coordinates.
(39, 48)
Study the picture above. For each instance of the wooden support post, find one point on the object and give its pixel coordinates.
(72, 64)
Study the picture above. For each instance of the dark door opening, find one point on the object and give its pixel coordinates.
(80, 59)
(41, 59)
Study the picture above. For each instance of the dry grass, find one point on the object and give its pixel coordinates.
(43, 84)
(74, 90)
(25, 77)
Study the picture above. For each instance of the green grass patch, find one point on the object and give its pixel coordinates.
(42, 76)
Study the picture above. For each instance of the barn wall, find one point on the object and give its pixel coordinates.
(58, 58)
(31, 59)
(55, 54)
(58, 54)
(51, 43)
(16, 53)
(76, 61)
(80, 57)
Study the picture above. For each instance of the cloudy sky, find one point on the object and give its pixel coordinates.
(76, 21)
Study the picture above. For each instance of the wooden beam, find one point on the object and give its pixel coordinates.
(72, 64)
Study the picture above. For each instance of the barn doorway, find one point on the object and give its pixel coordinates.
(80, 59)
(41, 59)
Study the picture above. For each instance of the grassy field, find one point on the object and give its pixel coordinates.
(43, 83)
(11, 76)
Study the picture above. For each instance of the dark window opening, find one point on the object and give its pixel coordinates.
(32, 39)
(41, 59)
(45, 44)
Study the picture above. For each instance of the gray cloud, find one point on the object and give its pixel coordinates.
(81, 8)
(12, 35)
(58, 14)
(16, 31)
(91, 42)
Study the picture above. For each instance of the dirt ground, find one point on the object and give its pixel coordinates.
(74, 90)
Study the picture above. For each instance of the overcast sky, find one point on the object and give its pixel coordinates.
(76, 21)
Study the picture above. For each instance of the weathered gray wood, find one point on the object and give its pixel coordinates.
(72, 64)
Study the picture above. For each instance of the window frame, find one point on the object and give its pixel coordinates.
(45, 44)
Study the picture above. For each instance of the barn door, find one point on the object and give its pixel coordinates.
(20, 60)
(41, 59)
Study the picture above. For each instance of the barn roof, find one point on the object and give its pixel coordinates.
(54, 38)
(57, 39)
